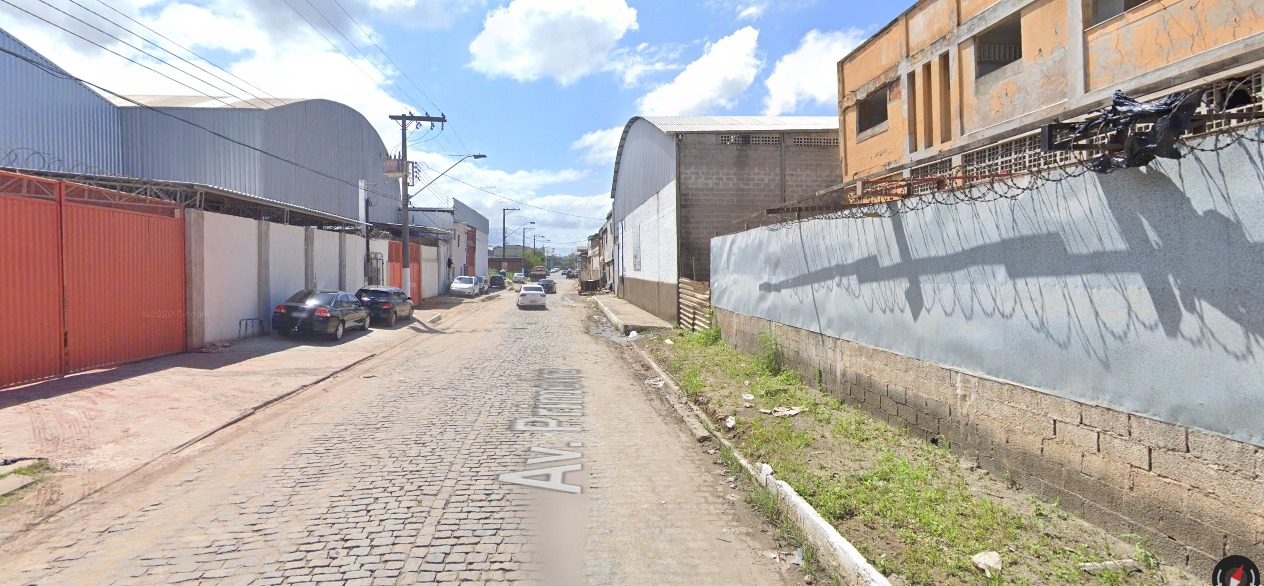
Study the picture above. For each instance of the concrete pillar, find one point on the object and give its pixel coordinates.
(265, 276)
(1076, 67)
(342, 261)
(309, 257)
(194, 280)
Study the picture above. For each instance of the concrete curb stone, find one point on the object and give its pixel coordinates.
(838, 555)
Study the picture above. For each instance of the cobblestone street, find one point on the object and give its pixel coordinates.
(417, 466)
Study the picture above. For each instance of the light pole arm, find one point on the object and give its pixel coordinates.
(445, 172)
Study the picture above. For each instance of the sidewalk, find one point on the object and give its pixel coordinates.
(625, 317)
(96, 427)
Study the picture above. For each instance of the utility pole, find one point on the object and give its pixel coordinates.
(525, 273)
(405, 221)
(504, 246)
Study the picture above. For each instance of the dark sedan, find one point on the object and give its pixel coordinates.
(387, 304)
(496, 282)
(320, 311)
(550, 286)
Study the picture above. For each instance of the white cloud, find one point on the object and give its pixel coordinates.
(751, 10)
(809, 73)
(726, 69)
(599, 146)
(633, 64)
(535, 187)
(562, 39)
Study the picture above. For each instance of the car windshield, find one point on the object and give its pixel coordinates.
(533, 288)
(465, 280)
(300, 297)
(374, 294)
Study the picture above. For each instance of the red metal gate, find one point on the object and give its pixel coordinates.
(394, 258)
(99, 275)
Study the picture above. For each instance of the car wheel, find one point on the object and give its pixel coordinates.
(367, 319)
(390, 321)
(410, 312)
(339, 331)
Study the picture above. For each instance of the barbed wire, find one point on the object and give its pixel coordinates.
(35, 160)
(1050, 167)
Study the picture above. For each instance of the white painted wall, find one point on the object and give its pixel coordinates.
(325, 259)
(429, 271)
(355, 262)
(230, 257)
(656, 219)
(285, 262)
(480, 256)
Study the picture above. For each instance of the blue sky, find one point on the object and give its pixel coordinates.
(541, 86)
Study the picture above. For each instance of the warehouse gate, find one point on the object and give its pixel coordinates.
(96, 278)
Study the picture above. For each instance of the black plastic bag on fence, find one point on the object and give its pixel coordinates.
(1170, 116)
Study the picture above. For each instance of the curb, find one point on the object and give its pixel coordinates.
(837, 554)
(236, 419)
(615, 322)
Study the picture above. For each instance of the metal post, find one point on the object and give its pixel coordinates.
(364, 228)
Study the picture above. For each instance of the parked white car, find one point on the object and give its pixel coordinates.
(464, 286)
(532, 296)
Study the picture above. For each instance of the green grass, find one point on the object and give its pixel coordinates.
(905, 503)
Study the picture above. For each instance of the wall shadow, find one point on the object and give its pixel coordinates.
(1140, 233)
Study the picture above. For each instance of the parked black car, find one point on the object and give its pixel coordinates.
(550, 286)
(496, 282)
(321, 311)
(386, 304)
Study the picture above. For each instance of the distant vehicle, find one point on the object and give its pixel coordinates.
(496, 282)
(482, 284)
(539, 272)
(532, 296)
(388, 304)
(464, 286)
(519, 278)
(549, 285)
(320, 311)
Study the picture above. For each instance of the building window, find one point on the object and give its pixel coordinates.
(759, 139)
(871, 112)
(636, 248)
(1106, 9)
(815, 141)
(998, 46)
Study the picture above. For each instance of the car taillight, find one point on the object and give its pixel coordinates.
(387, 305)
(280, 309)
(522, 294)
(322, 312)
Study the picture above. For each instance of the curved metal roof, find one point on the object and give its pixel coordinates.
(156, 101)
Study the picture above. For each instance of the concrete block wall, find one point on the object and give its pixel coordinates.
(721, 183)
(1196, 496)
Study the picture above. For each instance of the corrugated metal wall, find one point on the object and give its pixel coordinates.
(320, 135)
(124, 275)
(43, 113)
(99, 276)
(646, 163)
(30, 268)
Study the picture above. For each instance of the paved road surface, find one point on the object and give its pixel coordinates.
(414, 467)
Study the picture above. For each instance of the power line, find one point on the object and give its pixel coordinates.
(51, 23)
(187, 50)
(490, 192)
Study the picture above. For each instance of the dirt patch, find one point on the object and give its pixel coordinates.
(912, 507)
